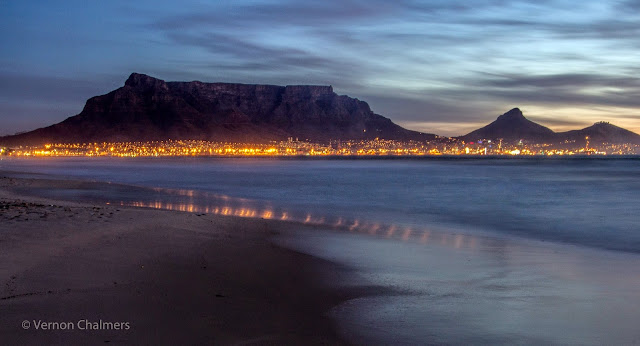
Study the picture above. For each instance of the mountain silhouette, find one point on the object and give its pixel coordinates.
(602, 132)
(512, 126)
(148, 109)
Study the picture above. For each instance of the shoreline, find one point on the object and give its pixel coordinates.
(173, 276)
(391, 282)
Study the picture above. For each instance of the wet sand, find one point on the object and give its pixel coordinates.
(167, 277)
(465, 289)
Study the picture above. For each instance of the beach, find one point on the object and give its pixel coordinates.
(243, 251)
(114, 274)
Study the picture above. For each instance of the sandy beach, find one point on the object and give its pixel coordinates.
(111, 274)
(317, 252)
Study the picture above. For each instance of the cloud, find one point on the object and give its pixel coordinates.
(563, 89)
(568, 80)
(245, 52)
(627, 5)
(430, 62)
(249, 15)
(557, 122)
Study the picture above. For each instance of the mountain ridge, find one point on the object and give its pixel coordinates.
(513, 126)
(147, 109)
(603, 132)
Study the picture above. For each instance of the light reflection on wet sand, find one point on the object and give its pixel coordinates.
(207, 203)
(465, 289)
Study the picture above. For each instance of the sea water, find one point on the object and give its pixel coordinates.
(484, 251)
(584, 201)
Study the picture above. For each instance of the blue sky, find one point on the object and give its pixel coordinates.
(444, 67)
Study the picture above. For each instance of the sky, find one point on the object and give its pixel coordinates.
(440, 66)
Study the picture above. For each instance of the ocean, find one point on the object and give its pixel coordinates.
(480, 251)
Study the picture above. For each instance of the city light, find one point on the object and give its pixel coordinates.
(377, 147)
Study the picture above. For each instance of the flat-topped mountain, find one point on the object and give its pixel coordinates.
(512, 126)
(147, 109)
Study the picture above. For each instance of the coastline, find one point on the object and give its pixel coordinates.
(173, 277)
(374, 283)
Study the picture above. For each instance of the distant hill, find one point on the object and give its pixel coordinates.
(512, 126)
(147, 109)
(602, 133)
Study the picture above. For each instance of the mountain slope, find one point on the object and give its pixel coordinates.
(512, 126)
(146, 109)
(602, 132)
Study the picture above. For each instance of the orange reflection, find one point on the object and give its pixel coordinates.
(458, 241)
(406, 234)
(391, 230)
(425, 237)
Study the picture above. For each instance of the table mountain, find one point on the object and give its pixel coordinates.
(147, 109)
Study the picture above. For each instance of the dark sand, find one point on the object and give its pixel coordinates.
(174, 277)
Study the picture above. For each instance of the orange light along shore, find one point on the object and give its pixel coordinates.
(377, 147)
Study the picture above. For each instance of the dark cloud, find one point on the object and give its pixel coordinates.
(432, 108)
(561, 89)
(557, 121)
(568, 80)
(434, 61)
(626, 5)
(282, 13)
(242, 50)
